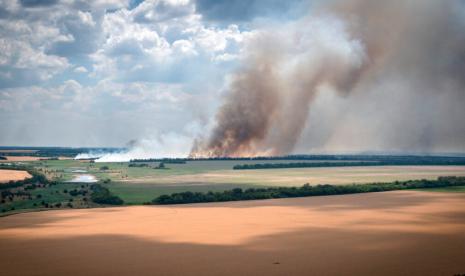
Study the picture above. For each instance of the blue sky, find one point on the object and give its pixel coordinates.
(101, 73)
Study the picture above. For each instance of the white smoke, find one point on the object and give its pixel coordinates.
(89, 155)
(169, 145)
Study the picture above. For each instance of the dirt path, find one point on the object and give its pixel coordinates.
(392, 233)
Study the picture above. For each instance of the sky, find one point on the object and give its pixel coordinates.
(105, 72)
(108, 73)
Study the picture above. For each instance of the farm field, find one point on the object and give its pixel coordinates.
(12, 175)
(139, 190)
(54, 194)
(390, 233)
(136, 185)
(20, 159)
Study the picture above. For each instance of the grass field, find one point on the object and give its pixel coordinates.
(138, 185)
(55, 194)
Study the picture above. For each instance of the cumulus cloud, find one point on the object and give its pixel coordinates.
(91, 68)
(80, 69)
(171, 47)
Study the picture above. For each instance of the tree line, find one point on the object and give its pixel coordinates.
(304, 191)
(164, 160)
(316, 157)
(416, 162)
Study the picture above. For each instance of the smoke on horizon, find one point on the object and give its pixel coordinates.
(352, 75)
(169, 145)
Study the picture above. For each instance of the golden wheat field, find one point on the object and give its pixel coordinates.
(8, 175)
(390, 233)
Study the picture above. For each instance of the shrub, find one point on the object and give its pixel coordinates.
(102, 195)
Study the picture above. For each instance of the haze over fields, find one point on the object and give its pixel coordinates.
(215, 78)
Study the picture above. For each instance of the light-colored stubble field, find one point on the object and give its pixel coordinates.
(12, 175)
(390, 233)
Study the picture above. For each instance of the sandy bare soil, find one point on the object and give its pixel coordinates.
(28, 158)
(21, 158)
(7, 175)
(392, 233)
(300, 176)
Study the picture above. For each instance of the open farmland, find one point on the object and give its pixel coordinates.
(136, 185)
(391, 233)
(12, 175)
(20, 159)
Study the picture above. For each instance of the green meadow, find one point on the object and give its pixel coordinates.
(136, 185)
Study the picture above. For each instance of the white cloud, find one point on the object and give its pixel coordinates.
(99, 70)
(152, 11)
(162, 49)
(80, 69)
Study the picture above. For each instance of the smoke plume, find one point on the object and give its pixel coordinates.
(171, 145)
(395, 70)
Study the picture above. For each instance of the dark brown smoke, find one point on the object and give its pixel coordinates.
(359, 49)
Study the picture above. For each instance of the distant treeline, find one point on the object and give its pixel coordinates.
(304, 191)
(135, 165)
(323, 157)
(412, 162)
(164, 160)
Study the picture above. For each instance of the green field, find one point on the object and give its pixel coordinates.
(58, 193)
(137, 185)
(459, 189)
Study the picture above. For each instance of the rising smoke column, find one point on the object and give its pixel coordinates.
(355, 48)
(248, 113)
